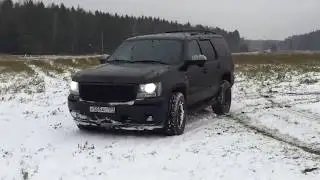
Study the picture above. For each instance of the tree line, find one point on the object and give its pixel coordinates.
(33, 28)
(309, 41)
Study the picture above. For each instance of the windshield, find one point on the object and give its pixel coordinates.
(151, 50)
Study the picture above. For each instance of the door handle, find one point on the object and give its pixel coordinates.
(205, 70)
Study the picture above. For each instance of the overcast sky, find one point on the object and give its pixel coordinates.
(255, 19)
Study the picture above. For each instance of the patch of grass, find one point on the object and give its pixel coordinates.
(278, 58)
(46, 66)
(60, 66)
(22, 83)
(17, 76)
(79, 63)
(74, 65)
(277, 73)
(276, 66)
(7, 66)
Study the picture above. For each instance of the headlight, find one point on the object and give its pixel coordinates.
(74, 88)
(149, 90)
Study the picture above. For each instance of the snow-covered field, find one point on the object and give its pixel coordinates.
(272, 132)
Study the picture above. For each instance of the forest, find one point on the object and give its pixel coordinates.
(34, 28)
(309, 41)
(304, 42)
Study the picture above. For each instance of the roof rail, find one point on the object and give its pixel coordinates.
(192, 31)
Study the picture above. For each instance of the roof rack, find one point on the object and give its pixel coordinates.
(193, 31)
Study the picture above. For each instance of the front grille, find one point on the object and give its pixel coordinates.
(107, 92)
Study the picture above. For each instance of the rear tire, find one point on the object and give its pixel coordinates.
(176, 119)
(223, 103)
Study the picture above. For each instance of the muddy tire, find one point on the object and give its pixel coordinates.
(176, 119)
(223, 102)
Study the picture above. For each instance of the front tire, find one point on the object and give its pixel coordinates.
(176, 119)
(223, 103)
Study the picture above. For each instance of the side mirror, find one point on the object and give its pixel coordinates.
(199, 57)
(104, 59)
(197, 60)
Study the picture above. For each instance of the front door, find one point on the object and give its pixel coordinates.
(195, 75)
(211, 68)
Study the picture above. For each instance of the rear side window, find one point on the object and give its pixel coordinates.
(207, 49)
(193, 49)
(221, 46)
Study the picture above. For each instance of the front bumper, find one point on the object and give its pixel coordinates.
(137, 115)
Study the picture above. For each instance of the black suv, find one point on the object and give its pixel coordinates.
(151, 81)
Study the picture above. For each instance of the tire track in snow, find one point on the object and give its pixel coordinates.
(240, 117)
(274, 133)
(196, 120)
(288, 106)
(305, 101)
(305, 114)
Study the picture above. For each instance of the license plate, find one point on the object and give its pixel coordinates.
(109, 110)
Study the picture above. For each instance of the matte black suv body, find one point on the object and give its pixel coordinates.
(151, 81)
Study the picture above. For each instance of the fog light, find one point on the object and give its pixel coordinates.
(149, 119)
(83, 117)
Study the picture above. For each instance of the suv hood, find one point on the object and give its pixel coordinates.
(121, 73)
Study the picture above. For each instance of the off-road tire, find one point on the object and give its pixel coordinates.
(176, 119)
(224, 99)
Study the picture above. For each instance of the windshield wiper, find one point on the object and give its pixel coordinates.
(151, 61)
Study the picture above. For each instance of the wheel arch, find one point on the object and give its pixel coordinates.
(228, 76)
(180, 88)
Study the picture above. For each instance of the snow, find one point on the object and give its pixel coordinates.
(39, 140)
(313, 108)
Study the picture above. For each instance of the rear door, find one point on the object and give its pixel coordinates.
(211, 68)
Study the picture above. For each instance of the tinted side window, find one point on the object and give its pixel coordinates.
(193, 49)
(207, 49)
(221, 46)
